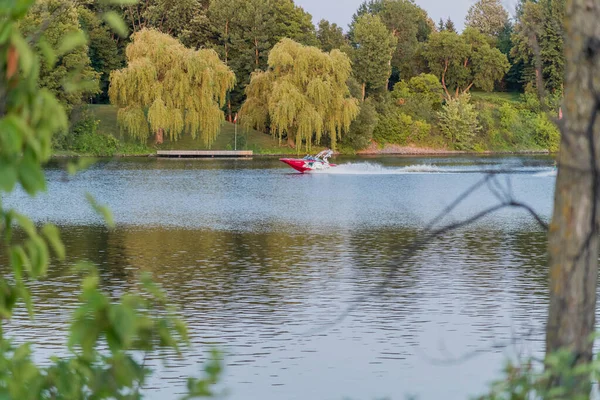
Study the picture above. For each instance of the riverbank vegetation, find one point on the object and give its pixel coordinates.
(415, 82)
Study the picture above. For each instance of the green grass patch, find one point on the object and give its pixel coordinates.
(497, 97)
(256, 141)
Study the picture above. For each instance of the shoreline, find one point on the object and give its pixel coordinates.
(373, 150)
(361, 153)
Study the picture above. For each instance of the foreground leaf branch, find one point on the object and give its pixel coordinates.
(108, 340)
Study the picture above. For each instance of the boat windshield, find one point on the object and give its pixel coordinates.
(325, 154)
(321, 157)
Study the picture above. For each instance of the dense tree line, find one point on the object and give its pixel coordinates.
(388, 42)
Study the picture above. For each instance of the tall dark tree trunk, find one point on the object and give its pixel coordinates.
(573, 237)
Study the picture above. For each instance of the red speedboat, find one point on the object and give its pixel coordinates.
(319, 162)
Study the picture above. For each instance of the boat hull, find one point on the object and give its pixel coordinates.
(304, 166)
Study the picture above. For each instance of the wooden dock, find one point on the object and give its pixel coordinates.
(204, 153)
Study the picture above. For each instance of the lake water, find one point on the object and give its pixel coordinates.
(263, 262)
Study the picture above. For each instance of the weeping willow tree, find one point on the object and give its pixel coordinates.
(170, 89)
(303, 95)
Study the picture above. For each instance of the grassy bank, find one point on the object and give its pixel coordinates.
(497, 135)
(253, 140)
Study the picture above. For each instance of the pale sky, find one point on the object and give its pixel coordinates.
(341, 11)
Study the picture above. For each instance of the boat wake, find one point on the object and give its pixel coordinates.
(366, 168)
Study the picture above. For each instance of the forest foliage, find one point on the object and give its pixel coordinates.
(388, 42)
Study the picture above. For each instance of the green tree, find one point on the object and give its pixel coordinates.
(458, 122)
(487, 16)
(182, 89)
(449, 26)
(187, 20)
(513, 81)
(69, 60)
(174, 18)
(539, 44)
(244, 31)
(361, 130)
(464, 61)
(104, 51)
(420, 97)
(303, 95)
(330, 36)
(291, 21)
(408, 23)
(373, 53)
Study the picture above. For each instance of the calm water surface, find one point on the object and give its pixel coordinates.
(260, 259)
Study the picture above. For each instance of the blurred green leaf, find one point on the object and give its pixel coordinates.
(203, 387)
(90, 282)
(181, 329)
(114, 20)
(71, 41)
(31, 176)
(48, 52)
(8, 222)
(26, 56)
(19, 261)
(5, 31)
(103, 211)
(81, 164)
(13, 131)
(52, 234)
(8, 176)
(37, 250)
(153, 288)
(25, 223)
(122, 320)
(8, 299)
(15, 9)
(24, 293)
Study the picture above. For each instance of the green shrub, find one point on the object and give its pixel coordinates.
(531, 100)
(420, 97)
(545, 132)
(85, 139)
(393, 127)
(96, 144)
(486, 118)
(361, 130)
(420, 131)
(509, 117)
(387, 128)
(458, 122)
(400, 128)
(491, 136)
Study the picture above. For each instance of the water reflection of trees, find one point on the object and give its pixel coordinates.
(489, 274)
(265, 283)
